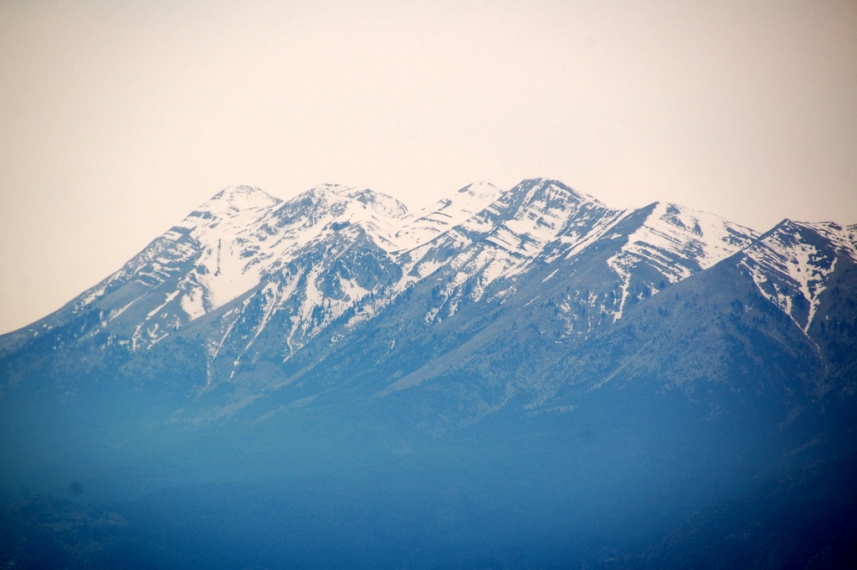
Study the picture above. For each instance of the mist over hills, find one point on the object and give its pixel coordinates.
(517, 375)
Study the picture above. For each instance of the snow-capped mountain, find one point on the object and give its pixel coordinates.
(222, 251)
(345, 271)
(278, 299)
(536, 342)
(445, 214)
(792, 263)
(675, 243)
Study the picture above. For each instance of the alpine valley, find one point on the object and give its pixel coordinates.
(519, 378)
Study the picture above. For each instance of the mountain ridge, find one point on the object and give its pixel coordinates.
(481, 241)
(571, 367)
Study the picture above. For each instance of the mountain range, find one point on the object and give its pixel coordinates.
(652, 356)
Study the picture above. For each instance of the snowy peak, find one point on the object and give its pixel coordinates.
(265, 290)
(675, 242)
(536, 212)
(445, 214)
(533, 197)
(237, 207)
(705, 238)
(329, 208)
(237, 198)
(333, 250)
(791, 264)
(227, 247)
(340, 199)
(480, 191)
(485, 255)
(377, 202)
(551, 191)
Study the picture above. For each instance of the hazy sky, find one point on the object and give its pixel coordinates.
(119, 118)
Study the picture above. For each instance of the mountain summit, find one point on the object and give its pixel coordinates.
(255, 278)
(646, 361)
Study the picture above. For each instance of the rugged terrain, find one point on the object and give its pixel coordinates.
(532, 344)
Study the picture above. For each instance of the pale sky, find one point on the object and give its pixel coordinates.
(119, 118)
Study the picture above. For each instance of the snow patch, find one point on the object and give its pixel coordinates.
(155, 311)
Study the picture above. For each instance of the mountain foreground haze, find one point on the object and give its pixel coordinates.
(518, 377)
